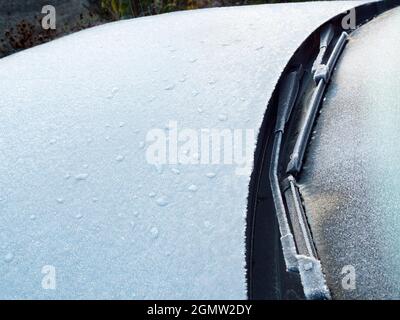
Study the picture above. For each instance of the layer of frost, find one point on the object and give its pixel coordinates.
(350, 184)
(76, 190)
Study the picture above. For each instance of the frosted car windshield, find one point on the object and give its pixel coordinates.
(351, 174)
(77, 192)
(138, 159)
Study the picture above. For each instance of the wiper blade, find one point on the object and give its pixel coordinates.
(298, 247)
(321, 77)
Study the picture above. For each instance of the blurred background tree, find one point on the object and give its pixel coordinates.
(20, 20)
(121, 9)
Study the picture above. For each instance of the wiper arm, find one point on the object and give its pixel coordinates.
(297, 259)
(297, 244)
(321, 77)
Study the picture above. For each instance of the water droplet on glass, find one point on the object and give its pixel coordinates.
(8, 257)
(193, 188)
(159, 168)
(154, 232)
(32, 217)
(60, 200)
(210, 175)
(79, 216)
(176, 171)
(120, 158)
(152, 194)
(162, 201)
(81, 176)
(170, 87)
(114, 91)
(222, 117)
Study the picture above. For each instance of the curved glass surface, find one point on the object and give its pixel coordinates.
(80, 198)
(351, 178)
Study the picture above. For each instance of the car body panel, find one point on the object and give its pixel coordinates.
(77, 191)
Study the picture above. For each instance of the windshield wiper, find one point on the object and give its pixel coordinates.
(299, 252)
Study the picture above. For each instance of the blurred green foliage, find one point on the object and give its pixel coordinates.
(117, 8)
(28, 32)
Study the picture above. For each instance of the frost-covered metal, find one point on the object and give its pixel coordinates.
(76, 191)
